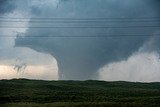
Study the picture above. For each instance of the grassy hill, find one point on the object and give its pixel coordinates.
(23, 92)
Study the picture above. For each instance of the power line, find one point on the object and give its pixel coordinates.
(83, 27)
(100, 21)
(98, 18)
(85, 36)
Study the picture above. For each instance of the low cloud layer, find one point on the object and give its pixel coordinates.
(143, 65)
(45, 72)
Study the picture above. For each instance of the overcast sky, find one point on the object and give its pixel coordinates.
(80, 39)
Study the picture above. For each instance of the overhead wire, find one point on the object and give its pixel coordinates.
(81, 20)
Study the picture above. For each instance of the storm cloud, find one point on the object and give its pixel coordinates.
(6, 6)
(80, 57)
(80, 52)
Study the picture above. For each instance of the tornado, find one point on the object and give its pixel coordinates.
(84, 35)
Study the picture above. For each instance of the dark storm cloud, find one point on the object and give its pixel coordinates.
(6, 6)
(81, 57)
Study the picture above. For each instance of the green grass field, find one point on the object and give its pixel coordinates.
(38, 93)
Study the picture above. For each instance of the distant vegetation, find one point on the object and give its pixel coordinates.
(35, 93)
